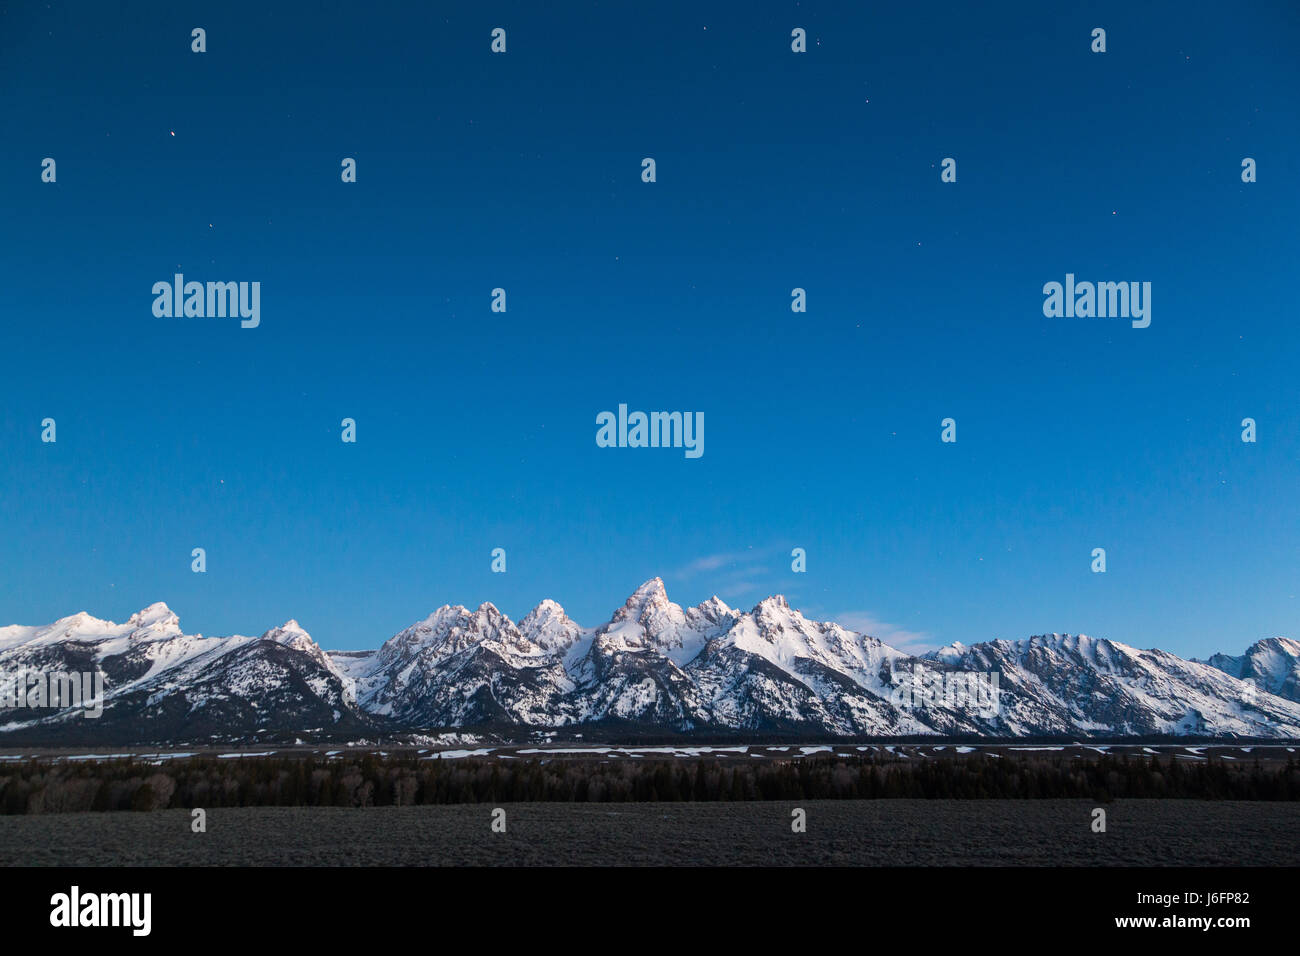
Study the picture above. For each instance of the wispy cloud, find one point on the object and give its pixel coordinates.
(735, 576)
(712, 562)
(914, 642)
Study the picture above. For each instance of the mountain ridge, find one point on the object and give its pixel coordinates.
(654, 666)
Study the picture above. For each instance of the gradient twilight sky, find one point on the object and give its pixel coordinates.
(477, 430)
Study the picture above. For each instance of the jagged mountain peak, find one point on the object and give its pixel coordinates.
(546, 608)
(444, 612)
(1078, 643)
(948, 654)
(713, 612)
(715, 603)
(1284, 644)
(548, 613)
(157, 614)
(649, 596)
(1272, 663)
(434, 627)
(654, 585)
(490, 612)
(648, 619)
(775, 609)
(287, 632)
(452, 629)
(548, 627)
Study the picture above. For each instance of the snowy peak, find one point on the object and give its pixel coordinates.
(152, 623)
(289, 633)
(547, 612)
(1272, 664)
(156, 615)
(432, 630)
(548, 627)
(950, 654)
(80, 623)
(715, 609)
(775, 613)
(712, 618)
(649, 620)
(453, 629)
(782, 636)
(488, 617)
(774, 617)
(653, 587)
(645, 600)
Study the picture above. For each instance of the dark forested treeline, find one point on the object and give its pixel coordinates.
(127, 784)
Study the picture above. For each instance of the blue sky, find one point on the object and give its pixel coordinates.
(775, 170)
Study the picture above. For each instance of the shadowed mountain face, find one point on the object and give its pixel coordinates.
(655, 666)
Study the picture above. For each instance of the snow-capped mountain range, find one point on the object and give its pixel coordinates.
(654, 667)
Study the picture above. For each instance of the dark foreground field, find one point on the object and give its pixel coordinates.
(839, 832)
